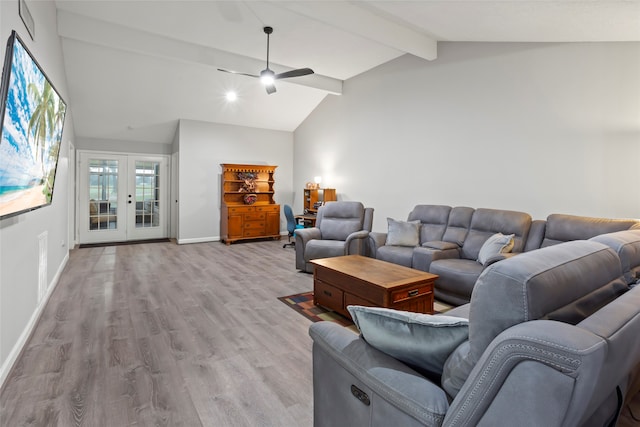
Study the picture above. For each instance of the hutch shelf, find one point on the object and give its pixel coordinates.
(248, 209)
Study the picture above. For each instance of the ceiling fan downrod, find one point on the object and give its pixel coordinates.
(268, 31)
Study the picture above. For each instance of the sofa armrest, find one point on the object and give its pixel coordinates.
(557, 361)
(397, 395)
(303, 236)
(423, 256)
(357, 243)
(376, 241)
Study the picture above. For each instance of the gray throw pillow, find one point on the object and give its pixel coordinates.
(497, 244)
(423, 341)
(403, 233)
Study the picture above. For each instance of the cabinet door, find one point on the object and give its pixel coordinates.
(235, 225)
(273, 223)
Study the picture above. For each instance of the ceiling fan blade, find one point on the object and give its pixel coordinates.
(270, 88)
(237, 72)
(294, 73)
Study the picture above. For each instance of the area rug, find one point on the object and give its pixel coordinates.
(303, 304)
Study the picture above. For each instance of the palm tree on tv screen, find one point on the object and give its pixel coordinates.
(46, 117)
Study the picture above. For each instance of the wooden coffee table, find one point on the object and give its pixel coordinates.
(358, 280)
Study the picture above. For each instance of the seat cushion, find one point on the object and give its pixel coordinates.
(422, 341)
(456, 277)
(324, 249)
(401, 255)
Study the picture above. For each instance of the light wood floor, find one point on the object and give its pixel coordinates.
(167, 335)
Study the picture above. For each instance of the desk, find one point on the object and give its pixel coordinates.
(307, 219)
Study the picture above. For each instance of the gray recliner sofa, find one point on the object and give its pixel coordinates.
(342, 228)
(553, 339)
(449, 246)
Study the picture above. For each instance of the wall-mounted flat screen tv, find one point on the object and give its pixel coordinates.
(32, 116)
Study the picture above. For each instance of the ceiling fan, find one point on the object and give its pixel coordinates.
(267, 76)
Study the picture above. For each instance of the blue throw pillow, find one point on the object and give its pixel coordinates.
(423, 341)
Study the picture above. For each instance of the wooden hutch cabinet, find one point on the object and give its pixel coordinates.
(248, 210)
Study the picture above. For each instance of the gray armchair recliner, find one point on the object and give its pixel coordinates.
(342, 228)
(552, 342)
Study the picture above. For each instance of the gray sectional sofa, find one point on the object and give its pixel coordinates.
(451, 238)
(552, 341)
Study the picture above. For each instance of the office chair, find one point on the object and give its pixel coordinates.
(291, 225)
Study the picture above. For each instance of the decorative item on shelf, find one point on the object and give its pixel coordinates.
(317, 180)
(310, 185)
(249, 185)
(250, 198)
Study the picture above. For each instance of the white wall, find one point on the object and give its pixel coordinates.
(19, 305)
(203, 147)
(540, 128)
(122, 146)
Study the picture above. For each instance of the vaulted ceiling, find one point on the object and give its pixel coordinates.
(134, 68)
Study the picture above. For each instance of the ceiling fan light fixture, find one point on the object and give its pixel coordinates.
(267, 77)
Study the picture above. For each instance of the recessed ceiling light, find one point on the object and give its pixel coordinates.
(231, 96)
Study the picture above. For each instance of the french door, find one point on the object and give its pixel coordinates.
(122, 197)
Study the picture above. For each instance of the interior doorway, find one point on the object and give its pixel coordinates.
(122, 197)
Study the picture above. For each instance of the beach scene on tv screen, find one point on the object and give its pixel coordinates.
(31, 134)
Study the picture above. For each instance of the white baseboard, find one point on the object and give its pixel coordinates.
(198, 240)
(210, 239)
(26, 333)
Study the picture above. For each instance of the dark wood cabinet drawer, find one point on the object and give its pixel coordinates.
(409, 293)
(328, 295)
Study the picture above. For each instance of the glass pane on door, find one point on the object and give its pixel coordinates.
(147, 193)
(103, 194)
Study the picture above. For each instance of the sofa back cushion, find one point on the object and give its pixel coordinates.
(564, 228)
(339, 219)
(433, 220)
(487, 222)
(627, 245)
(458, 225)
(566, 282)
